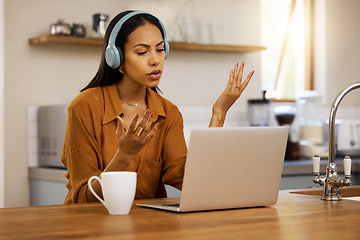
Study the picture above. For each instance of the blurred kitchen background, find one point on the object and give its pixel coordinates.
(36, 76)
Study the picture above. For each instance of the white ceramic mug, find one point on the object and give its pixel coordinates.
(118, 189)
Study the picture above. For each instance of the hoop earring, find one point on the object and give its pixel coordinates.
(122, 69)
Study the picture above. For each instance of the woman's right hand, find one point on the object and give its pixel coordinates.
(130, 143)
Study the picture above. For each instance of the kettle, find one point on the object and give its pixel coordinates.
(78, 30)
(60, 28)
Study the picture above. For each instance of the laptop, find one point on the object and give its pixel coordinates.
(229, 168)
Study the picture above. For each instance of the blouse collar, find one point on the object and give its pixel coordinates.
(113, 106)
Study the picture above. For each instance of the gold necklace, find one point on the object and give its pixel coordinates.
(131, 105)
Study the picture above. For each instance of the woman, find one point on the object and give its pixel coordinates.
(120, 123)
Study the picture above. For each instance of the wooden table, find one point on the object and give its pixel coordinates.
(295, 216)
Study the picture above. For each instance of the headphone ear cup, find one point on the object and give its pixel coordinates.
(167, 48)
(120, 56)
(112, 57)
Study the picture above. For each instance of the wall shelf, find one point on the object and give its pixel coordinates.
(214, 47)
(49, 39)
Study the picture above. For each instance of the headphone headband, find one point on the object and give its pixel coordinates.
(113, 55)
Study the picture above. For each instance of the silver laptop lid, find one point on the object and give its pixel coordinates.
(233, 167)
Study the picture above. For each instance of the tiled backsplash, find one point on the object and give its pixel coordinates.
(199, 117)
(194, 117)
(32, 114)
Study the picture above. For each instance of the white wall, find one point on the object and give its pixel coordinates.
(337, 49)
(198, 79)
(54, 74)
(1, 104)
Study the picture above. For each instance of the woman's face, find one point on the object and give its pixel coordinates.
(144, 56)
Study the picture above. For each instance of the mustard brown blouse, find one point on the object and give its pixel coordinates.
(90, 144)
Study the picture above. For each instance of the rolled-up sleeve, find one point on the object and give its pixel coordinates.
(81, 154)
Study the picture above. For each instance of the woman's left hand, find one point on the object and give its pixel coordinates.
(232, 92)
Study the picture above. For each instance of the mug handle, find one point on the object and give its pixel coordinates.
(92, 190)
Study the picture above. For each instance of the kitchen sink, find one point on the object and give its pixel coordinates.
(352, 191)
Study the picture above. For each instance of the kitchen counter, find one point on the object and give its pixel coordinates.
(295, 216)
(48, 174)
(291, 168)
(47, 185)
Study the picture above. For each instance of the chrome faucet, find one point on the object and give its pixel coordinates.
(332, 182)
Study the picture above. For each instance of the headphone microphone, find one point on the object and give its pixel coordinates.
(113, 55)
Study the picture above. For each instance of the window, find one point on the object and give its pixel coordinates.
(286, 33)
